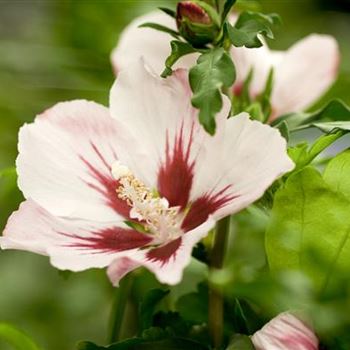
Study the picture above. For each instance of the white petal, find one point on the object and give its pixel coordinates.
(245, 161)
(285, 332)
(260, 61)
(149, 43)
(171, 262)
(155, 116)
(71, 244)
(119, 268)
(307, 70)
(65, 160)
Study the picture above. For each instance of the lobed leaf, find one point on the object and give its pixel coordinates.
(214, 70)
(249, 26)
(178, 50)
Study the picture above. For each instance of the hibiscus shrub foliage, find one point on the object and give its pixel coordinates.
(194, 174)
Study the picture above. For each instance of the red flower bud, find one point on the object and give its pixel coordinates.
(197, 22)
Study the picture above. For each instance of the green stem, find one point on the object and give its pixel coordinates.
(119, 306)
(216, 300)
(217, 4)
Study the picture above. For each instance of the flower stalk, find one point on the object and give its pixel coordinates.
(216, 300)
(119, 307)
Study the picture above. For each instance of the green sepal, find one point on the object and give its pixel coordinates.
(227, 8)
(265, 97)
(198, 33)
(212, 13)
(255, 111)
(168, 11)
(160, 28)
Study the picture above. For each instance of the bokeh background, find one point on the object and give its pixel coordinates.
(57, 50)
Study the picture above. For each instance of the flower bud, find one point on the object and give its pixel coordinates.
(197, 22)
(285, 332)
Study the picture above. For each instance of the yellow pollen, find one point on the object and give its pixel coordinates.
(151, 210)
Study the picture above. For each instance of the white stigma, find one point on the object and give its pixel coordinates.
(119, 170)
(151, 211)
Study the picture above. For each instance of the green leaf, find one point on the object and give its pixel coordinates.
(249, 26)
(193, 307)
(337, 173)
(155, 333)
(132, 343)
(330, 127)
(170, 344)
(178, 50)
(85, 345)
(335, 110)
(172, 322)
(302, 156)
(148, 306)
(160, 28)
(310, 225)
(227, 8)
(213, 71)
(16, 338)
(240, 342)
(168, 11)
(175, 343)
(284, 130)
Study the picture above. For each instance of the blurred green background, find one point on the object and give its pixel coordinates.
(58, 50)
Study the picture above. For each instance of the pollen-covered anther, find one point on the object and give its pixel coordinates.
(151, 211)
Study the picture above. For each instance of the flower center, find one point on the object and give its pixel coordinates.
(152, 211)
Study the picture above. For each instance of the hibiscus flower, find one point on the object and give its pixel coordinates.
(139, 183)
(285, 332)
(302, 74)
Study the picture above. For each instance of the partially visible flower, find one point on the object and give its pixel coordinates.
(153, 45)
(302, 74)
(197, 22)
(139, 184)
(285, 332)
